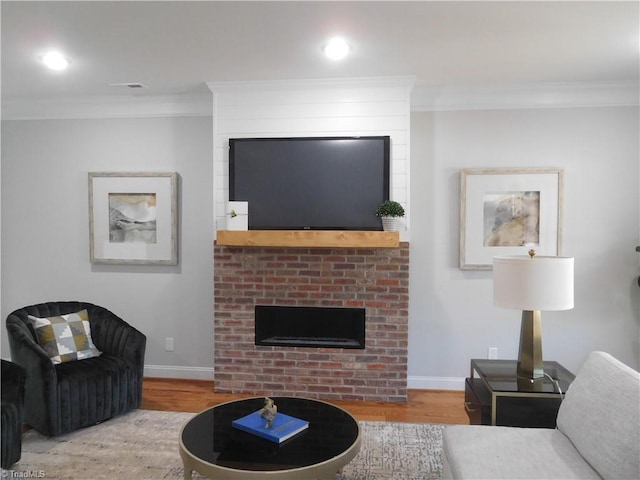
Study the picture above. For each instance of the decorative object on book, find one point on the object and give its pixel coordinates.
(133, 218)
(507, 211)
(269, 412)
(268, 423)
(238, 216)
(390, 213)
(531, 284)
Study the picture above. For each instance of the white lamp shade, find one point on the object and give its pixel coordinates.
(538, 283)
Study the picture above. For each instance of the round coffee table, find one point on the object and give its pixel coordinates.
(215, 449)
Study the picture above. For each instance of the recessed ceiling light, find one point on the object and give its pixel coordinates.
(337, 49)
(55, 61)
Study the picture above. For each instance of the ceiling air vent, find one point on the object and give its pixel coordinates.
(128, 84)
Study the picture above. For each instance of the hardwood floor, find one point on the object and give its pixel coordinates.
(423, 406)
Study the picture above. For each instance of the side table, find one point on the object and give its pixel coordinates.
(494, 395)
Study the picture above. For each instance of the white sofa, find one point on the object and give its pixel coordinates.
(597, 434)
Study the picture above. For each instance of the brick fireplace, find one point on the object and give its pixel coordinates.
(376, 279)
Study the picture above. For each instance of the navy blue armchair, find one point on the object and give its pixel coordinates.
(62, 397)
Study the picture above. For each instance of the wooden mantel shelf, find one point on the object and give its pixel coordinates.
(308, 238)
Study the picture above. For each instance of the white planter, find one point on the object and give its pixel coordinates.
(391, 224)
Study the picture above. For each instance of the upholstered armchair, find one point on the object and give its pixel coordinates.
(13, 378)
(67, 391)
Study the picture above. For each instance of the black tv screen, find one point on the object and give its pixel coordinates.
(310, 183)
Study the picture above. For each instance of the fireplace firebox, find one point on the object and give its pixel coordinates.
(319, 327)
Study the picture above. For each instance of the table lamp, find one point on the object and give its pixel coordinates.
(532, 283)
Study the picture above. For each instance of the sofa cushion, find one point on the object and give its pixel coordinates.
(600, 415)
(65, 337)
(94, 390)
(486, 452)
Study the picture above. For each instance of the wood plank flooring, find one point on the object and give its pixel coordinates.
(423, 406)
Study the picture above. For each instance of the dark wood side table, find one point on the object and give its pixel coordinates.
(494, 395)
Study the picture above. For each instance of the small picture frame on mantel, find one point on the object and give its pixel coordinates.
(508, 211)
(133, 218)
(238, 215)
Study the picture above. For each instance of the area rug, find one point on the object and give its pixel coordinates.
(143, 444)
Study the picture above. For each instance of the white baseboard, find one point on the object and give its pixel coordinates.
(435, 383)
(169, 371)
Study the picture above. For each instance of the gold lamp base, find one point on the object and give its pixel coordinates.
(530, 351)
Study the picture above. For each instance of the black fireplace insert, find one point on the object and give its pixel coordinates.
(319, 327)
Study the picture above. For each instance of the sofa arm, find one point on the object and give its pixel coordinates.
(600, 416)
(25, 351)
(13, 380)
(114, 336)
(41, 378)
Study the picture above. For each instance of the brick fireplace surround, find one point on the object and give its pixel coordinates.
(376, 279)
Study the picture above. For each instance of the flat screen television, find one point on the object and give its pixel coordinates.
(310, 183)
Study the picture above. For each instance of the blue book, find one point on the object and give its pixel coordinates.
(283, 427)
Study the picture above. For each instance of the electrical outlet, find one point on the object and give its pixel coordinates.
(168, 344)
(492, 353)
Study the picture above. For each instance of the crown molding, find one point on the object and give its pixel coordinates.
(406, 81)
(559, 95)
(565, 95)
(109, 107)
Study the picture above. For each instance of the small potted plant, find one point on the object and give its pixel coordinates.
(390, 212)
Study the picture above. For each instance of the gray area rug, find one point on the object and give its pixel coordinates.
(143, 444)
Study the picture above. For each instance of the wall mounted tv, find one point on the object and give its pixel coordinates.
(310, 183)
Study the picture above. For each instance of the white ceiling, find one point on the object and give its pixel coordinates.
(174, 48)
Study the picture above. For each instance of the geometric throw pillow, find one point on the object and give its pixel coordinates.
(65, 337)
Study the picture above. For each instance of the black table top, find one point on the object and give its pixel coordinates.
(501, 376)
(210, 436)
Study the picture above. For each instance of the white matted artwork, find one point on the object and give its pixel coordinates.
(509, 211)
(133, 218)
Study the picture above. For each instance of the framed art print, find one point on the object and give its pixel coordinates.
(133, 218)
(509, 211)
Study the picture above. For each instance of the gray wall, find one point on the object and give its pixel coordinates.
(452, 317)
(45, 232)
